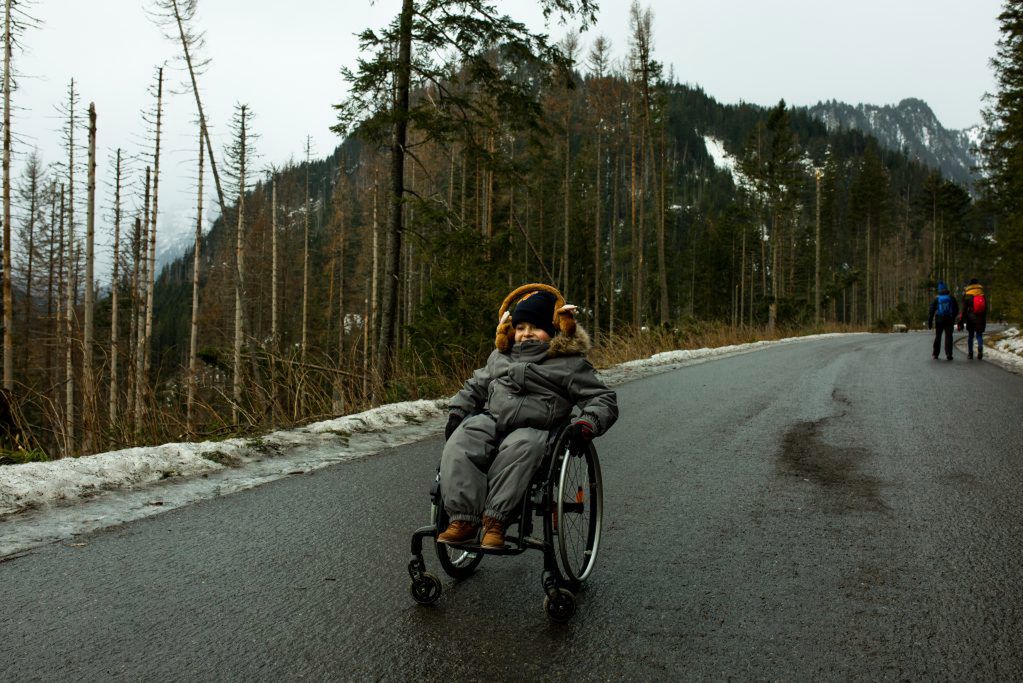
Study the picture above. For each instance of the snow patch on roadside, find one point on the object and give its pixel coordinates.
(1006, 350)
(32, 485)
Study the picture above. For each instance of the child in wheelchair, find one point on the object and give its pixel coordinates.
(499, 422)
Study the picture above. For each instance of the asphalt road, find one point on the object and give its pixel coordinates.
(840, 509)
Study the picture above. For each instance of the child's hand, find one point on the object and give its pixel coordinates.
(580, 431)
(505, 318)
(568, 308)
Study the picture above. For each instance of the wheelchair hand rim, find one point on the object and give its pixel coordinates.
(596, 512)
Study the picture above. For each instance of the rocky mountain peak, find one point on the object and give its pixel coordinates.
(909, 126)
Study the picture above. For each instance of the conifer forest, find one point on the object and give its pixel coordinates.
(474, 154)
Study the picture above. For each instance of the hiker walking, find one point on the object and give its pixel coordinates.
(942, 318)
(974, 316)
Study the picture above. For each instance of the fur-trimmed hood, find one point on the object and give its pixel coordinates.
(577, 344)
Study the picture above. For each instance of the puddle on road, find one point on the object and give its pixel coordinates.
(835, 469)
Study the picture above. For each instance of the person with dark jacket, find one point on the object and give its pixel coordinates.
(942, 317)
(498, 423)
(974, 316)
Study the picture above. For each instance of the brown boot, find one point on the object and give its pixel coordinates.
(459, 531)
(493, 533)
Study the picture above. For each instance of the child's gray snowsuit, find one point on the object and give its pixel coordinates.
(492, 455)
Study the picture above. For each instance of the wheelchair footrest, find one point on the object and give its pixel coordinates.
(513, 546)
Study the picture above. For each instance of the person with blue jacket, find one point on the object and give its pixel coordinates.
(942, 318)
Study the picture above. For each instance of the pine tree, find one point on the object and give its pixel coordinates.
(1003, 156)
(380, 106)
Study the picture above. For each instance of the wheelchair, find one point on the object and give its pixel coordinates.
(563, 505)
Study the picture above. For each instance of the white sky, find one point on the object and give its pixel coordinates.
(283, 59)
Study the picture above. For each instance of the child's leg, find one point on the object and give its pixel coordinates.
(969, 340)
(463, 467)
(980, 341)
(517, 459)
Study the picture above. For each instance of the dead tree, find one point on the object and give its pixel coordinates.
(88, 380)
(177, 17)
(115, 286)
(8, 297)
(274, 330)
(141, 258)
(239, 156)
(193, 345)
(31, 197)
(151, 269)
(71, 283)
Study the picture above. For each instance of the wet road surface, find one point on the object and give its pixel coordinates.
(842, 508)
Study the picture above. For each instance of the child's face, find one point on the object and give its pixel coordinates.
(526, 332)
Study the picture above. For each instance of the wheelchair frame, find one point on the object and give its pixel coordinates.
(545, 498)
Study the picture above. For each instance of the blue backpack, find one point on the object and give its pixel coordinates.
(944, 309)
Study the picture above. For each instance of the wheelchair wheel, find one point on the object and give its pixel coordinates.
(457, 563)
(578, 499)
(426, 589)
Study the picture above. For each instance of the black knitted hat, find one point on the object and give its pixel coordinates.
(537, 309)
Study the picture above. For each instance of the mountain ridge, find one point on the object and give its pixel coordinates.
(910, 126)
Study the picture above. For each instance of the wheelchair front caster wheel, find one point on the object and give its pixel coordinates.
(561, 608)
(425, 589)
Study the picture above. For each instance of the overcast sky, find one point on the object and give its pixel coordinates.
(283, 59)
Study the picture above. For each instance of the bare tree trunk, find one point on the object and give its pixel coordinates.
(662, 266)
(62, 282)
(115, 286)
(376, 270)
(396, 228)
(817, 252)
(193, 346)
(133, 378)
(274, 330)
(89, 417)
(365, 345)
(305, 273)
(69, 393)
(52, 260)
(141, 378)
(339, 404)
(568, 215)
(8, 295)
(30, 237)
(186, 41)
(69, 313)
(742, 279)
(239, 285)
(612, 292)
(151, 270)
(869, 287)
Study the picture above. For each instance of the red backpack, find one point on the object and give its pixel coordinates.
(979, 304)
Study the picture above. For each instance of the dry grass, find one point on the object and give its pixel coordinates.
(634, 344)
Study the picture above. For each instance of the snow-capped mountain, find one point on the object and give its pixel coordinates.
(911, 126)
